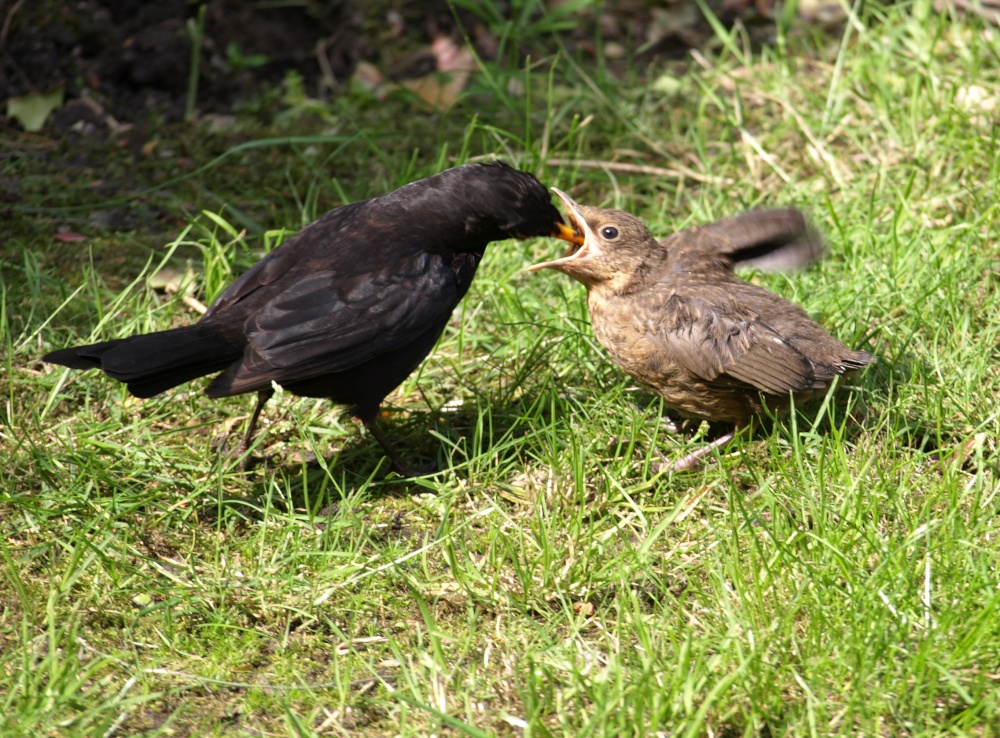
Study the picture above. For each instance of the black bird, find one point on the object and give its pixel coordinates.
(674, 315)
(349, 306)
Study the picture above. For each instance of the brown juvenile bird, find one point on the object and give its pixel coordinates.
(674, 315)
(348, 307)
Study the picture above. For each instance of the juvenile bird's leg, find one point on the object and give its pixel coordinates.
(693, 459)
(399, 464)
(262, 397)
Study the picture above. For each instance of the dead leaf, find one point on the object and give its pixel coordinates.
(989, 10)
(672, 21)
(454, 62)
(367, 76)
(965, 452)
(68, 236)
(170, 280)
(32, 110)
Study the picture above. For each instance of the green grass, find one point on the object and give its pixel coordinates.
(836, 575)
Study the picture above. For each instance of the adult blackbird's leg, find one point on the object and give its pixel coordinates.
(262, 397)
(399, 464)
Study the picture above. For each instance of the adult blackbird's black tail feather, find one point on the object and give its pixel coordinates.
(154, 362)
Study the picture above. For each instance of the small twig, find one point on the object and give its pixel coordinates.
(681, 172)
(984, 8)
(8, 22)
(194, 304)
(821, 150)
(765, 155)
(328, 78)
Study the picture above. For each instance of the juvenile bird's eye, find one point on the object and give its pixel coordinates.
(609, 233)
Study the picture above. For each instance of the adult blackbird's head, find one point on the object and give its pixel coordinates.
(608, 248)
(491, 201)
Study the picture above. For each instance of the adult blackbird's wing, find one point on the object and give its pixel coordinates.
(323, 237)
(710, 343)
(327, 321)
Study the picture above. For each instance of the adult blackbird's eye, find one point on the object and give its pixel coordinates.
(609, 233)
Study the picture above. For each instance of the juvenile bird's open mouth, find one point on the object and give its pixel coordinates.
(576, 233)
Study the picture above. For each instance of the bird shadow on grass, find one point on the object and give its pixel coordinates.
(432, 440)
(872, 403)
(842, 413)
(495, 431)
(942, 428)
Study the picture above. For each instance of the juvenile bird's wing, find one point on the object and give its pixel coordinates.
(325, 322)
(769, 240)
(737, 343)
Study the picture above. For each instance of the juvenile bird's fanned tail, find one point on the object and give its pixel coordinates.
(857, 360)
(152, 363)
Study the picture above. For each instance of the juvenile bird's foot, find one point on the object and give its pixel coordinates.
(693, 459)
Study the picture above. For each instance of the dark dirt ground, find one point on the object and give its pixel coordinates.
(102, 158)
(130, 59)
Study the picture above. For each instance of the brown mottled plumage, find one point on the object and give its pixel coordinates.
(348, 307)
(674, 315)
